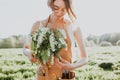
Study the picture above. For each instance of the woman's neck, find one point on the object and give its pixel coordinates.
(54, 19)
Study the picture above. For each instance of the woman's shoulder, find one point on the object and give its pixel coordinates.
(38, 24)
(72, 25)
(35, 27)
(68, 23)
(44, 22)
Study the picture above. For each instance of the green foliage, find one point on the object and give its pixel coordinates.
(6, 77)
(110, 37)
(106, 66)
(12, 42)
(93, 38)
(90, 43)
(107, 53)
(27, 74)
(46, 43)
(92, 63)
(105, 43)
(15, 66)
(118, 43)
(8, 42)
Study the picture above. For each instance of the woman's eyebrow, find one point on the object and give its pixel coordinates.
(58, 6)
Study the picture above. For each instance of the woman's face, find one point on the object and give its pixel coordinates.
(59, 9)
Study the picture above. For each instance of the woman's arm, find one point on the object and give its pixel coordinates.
(83, 60)
(78, 38)
(26, 48)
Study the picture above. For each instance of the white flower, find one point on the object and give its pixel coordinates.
(48, 51)
(40, 40)
(44, 30)
(62, 41)
(49, 43)
(34, 36)
(52, 41)
(42, 34)
(59, 45)
(52, 59)
(56, 42)
(63, 33)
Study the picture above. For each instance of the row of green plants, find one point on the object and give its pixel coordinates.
(103, 64)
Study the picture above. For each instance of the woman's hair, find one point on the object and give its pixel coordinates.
(68, 5)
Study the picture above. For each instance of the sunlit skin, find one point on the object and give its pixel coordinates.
(57, 20)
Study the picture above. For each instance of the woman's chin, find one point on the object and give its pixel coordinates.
(59, 17)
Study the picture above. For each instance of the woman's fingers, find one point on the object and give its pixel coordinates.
(64, 61)
(33, 59)
(33, 55)
(67, 66)
(56, 60)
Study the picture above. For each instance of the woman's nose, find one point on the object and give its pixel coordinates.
(59, 13)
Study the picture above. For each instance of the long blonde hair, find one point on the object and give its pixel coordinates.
(68, 5)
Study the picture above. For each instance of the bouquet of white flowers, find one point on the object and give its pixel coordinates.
(46, 43)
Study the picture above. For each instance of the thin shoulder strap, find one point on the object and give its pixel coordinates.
(44, 25)
(48, 21)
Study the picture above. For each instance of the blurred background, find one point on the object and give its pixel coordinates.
(99, 21)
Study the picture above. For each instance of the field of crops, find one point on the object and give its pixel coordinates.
(104, 64)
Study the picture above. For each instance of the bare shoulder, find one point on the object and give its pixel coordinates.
(68, 23)
(37, 24)
(44, 22)
(35, 27)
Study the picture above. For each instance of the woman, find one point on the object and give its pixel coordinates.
(57, 20)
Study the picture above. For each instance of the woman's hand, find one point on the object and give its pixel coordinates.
(67, 66)
(33, 58)
(63, 63)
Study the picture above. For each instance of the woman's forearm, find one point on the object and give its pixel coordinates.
(75, 65)
(79, 63)
(27, 52)
(83, 54)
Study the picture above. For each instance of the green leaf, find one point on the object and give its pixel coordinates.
(32, 47)
(44, 56)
